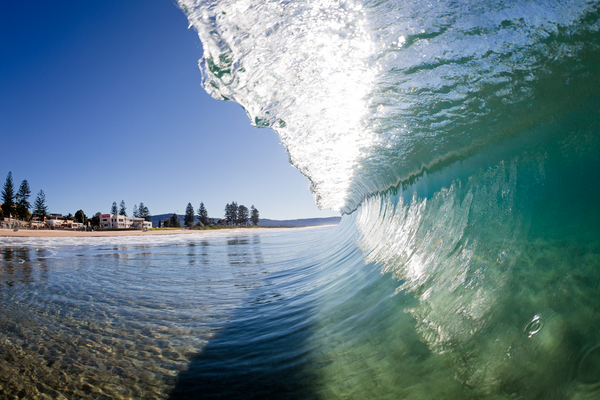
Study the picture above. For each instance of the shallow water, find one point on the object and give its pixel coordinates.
(131, 317)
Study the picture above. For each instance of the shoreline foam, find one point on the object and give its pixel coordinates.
(64, 233)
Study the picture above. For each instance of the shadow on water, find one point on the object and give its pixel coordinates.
(261, 351)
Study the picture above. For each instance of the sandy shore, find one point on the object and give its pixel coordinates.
(61, 233)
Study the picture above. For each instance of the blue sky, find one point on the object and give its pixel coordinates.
(101, 102)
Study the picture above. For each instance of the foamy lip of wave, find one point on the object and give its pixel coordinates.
(301, 68)
(363, 96)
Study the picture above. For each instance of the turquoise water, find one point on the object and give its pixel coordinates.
(461, 142)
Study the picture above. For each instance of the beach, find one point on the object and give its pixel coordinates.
(66, 233)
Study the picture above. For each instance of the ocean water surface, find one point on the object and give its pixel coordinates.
(153, 317)
(461, 142)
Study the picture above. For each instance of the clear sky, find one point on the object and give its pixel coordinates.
(101, 101)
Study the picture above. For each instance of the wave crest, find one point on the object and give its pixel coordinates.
(364, 96)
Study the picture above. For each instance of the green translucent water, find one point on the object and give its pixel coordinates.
(504, 265)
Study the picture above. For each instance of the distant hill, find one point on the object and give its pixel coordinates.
(162, 217)
(263, 221)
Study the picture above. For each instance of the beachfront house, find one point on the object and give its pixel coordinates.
(112, 221)
(35, 222)
(55, 221)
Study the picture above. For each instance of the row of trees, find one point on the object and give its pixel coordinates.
(140, 211)
(189, 217)
(240, 215)
(234, 215)
(17, 204)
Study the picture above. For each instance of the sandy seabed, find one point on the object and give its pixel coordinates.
(65, 233)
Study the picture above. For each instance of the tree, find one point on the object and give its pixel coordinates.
(227, 214)
(231, 213)
(160, 223)
(40, 209)
(22, 201)
(143, 212)
(95, 220)
(242, 218)
(202, 214)
(122, 208)
(8, 196)
(254, 215)
(188, 218)
(136, 214)
(81, 217)
(174, 221)
(113, 209)
(234, 212)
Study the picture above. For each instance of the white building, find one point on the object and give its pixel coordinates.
(56, 222)
(111, 221)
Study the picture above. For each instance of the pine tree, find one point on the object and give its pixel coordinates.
(188, 218)
(174, 221)
(22, 200)
(8, 196)
(254, 215)
(136, 214)
(202, 214)
(122, 208)
(242, 218)
(39, 206)
(144, 212)
(227, 214)
(113, 209)
(233, 213)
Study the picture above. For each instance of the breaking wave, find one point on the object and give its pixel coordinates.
(462, 141)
